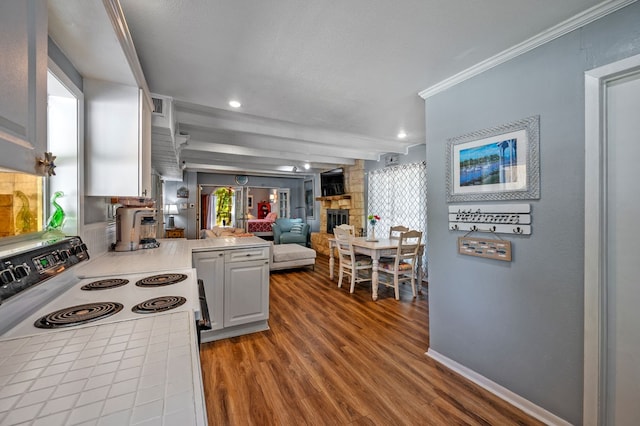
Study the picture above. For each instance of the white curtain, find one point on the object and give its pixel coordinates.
(398, 194)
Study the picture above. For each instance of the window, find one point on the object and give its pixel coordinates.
(398, 195)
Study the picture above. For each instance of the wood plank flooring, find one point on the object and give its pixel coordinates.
(334, 358)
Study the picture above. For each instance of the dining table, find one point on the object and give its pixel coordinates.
(375, 249)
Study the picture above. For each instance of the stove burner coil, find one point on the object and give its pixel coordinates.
(160, 280)
(158, 304)
(105, 284)
(79, 314)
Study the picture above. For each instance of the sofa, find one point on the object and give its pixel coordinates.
(290, 231)
(224, 231)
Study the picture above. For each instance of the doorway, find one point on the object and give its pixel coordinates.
(612, 334)
(221, 206)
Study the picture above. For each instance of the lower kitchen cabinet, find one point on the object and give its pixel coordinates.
(237, 289)
(246, 292)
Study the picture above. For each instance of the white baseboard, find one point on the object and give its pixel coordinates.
(500, 391)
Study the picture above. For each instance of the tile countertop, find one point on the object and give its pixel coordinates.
(172, 254)
(132, 372)
(136, 371)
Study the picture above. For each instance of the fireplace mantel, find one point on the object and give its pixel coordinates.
(353, 201)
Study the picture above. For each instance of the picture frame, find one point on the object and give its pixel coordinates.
(499, 163)
(249, 201)
(182, 192)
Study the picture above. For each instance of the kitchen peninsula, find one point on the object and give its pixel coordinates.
(129, 370)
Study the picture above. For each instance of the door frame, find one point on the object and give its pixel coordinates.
(595, 236)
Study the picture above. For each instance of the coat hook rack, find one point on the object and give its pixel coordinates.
(496, 218)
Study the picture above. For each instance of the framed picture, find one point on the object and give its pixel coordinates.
(501, 163)
(182, 192)
(250, 201)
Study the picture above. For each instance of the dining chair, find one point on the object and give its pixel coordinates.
(402, 267)
(350, 228)
(395, 231)
(350, 263)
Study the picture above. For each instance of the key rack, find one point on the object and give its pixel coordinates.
(496, 218)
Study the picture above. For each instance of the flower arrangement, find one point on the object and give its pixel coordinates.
(373, 219)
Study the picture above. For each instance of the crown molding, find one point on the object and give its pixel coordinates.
(578, 21)
(119, 23)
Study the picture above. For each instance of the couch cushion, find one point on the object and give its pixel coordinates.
(296, 228)
(289, 252)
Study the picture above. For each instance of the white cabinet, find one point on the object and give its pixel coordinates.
(118, 140)
(236, 283)
(246, 291)
(23, 84)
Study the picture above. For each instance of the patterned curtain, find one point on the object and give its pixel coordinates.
(398, 194)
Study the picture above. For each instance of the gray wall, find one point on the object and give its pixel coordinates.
(520, 324)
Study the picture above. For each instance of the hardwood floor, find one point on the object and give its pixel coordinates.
(334, 358)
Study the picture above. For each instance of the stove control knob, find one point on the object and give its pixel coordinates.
(7, 277)
(22, 271)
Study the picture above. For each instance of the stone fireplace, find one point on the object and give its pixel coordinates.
(351, 204)
(336, 217)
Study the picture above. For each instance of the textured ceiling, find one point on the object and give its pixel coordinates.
(323, 81)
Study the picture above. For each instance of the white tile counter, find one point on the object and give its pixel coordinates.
(224, 243)
(141, 371)
(130, 372)
(172, 254)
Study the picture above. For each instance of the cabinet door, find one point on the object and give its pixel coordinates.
(112, 145)
(210, 269)
(246, 296)
(23, 84)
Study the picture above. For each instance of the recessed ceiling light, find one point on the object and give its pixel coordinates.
(402, 134)
(235, 104)
(306, 166)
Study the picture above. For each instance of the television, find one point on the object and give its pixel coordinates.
(332, 182)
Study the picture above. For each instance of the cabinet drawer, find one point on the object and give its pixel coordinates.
(246, 254)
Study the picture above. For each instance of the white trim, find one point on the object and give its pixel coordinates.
(512, 398)
(119, 23)
(595, 237)
(579, 20)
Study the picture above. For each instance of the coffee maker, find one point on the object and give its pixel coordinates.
(135, 228)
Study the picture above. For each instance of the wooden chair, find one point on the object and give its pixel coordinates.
(350, 263)
(350, 228)
(402, 267)
(395, 231)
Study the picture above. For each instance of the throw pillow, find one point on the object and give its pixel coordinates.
(296, 228)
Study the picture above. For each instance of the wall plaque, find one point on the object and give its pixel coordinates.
(484, 247)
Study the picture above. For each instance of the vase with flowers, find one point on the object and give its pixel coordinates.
(373, 220)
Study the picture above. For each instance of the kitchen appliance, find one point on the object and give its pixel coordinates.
(40, 292)
(135, 228)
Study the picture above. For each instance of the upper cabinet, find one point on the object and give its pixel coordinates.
(23, 84)
(117, 140)
(94, 35)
